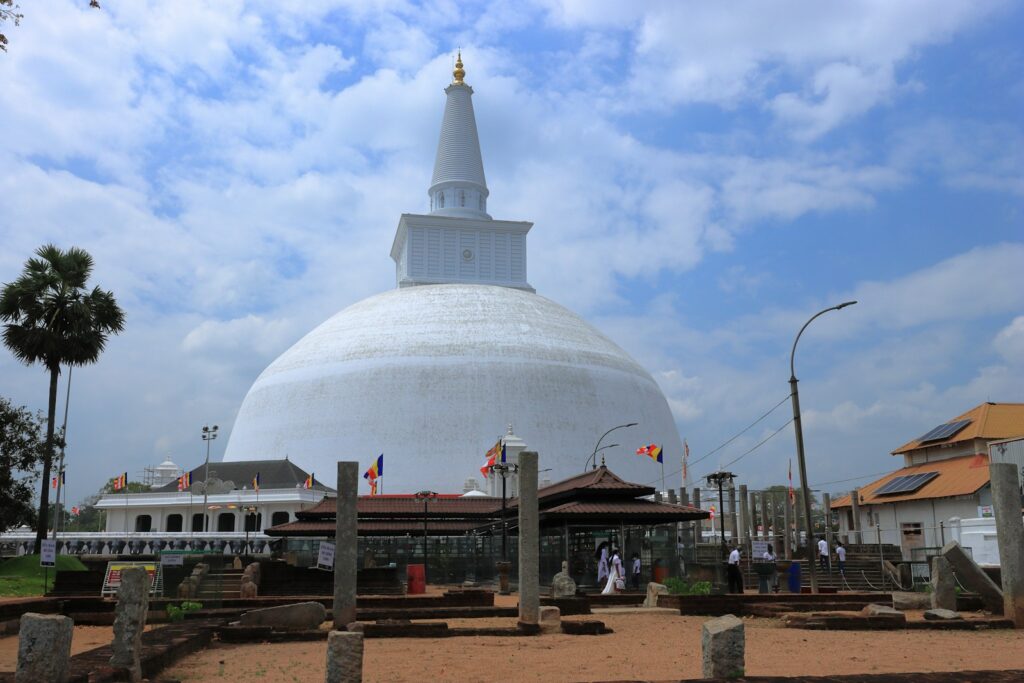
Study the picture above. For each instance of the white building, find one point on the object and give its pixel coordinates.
(944, 483)
(432, 372)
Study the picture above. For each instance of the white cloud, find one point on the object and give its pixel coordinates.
(1010, 342)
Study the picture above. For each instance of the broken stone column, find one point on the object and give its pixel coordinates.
(344, 655)
(698, 529)
(44, 648)
(550, 619)
(943, 584)
(722, 647)
(529, 541)
(653, 591)
(766, 522)
(562, 584)
(130, 621)
(745, 514)
(855, 536)
(972, 577)
(345, 549)
(1006, 504)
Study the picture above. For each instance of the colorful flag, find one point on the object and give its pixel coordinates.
(75, 510)
(652, 451)
(376, 469)
(256, 482)
(792, 495)
(308, 484)
(185, 481)
(686, 461)
(53, 483)
(121, 482)
(497, 451)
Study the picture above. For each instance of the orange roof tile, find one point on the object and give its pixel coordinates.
(957, 477)
(988, 421)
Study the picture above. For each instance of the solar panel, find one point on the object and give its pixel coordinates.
(908, 483)
(944, 431)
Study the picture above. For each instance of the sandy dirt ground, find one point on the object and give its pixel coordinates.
(644, 646)
(84, 638)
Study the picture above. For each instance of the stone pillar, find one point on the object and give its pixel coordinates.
(44, 648)
(657, 496)
(672, 497)
(698, 529)
(344, 654)
(683, 498)
(753, 515)
(1006, 504)
(943, 584)
(723, 647)
(345, 550)
(745, 514)
(734, 525)
(787, 531)
(826, 508)
(855, 536)
(798, 523)
(778, 498)
(529, 542)
(766, 521)
(130, 621)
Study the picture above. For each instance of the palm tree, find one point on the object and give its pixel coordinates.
(54, 320)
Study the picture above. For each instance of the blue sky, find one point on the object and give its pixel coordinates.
(701, 177)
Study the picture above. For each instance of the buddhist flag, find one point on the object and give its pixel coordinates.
(652, 451)
(256, 482)
(497, 451)
(376, 469)
(308, 484)
(121, 482)
(185, 481)
(75, 510)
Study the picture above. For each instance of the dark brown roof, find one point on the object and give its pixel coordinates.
(601, 480)
(403, 505)
(374, 527)
(274, 474)
(625, 510)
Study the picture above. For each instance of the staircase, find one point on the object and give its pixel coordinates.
(221, 583)
(863, 570)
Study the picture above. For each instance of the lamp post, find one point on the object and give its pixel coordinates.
(718, 479)
(593, 456)
(798, 429)
(209, 434)
(425, 496)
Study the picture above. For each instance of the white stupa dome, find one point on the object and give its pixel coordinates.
(432, 373)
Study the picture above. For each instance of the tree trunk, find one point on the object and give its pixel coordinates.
(44, 498)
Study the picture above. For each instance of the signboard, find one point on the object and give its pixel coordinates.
(48, 553)
(325, 559)
(172, 559)
(112, 577)
(758, 549)
(986, 511)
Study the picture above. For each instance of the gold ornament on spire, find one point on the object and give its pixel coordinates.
(459, 73)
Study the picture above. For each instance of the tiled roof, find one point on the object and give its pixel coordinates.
(988, 421)
(274, 474)
(957, 477)
(407, 504)
(601, 479)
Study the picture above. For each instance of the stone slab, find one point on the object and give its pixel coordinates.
(44, 648)
(876, 610)
(653, 591)
(344, 657)
(723, 647)
(973, 577)
(940, 614)
(301, 615)
(550, 619)
(904, 600)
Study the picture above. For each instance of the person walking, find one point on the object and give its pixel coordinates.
(841, 557)
(823, 553)
(636, 571)
(616, 577)
(735, 578)
(769, 556)
(602, 562)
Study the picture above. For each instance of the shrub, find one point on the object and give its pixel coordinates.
(178, 613)
(680, 587)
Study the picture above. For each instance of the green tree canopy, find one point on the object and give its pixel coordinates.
(22, 446)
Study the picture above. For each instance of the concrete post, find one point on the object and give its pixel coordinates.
(345, 550)
(698, 529)
(529, 542)
(826, 507)
(734, 526)
(855, 536)
(1006, 504)
(745, 514)
(787, 532)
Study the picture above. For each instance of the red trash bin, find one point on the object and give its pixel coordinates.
(660, 574)
(417, 584)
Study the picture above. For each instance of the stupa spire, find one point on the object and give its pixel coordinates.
(458, 187)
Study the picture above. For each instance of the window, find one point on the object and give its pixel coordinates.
(174, 522)
(197, 521)
(226, 521)
(462, 197)
(143, 523)
(253, 520)
(278, 518)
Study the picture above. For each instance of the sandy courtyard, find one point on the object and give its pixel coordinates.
(84, 638)
(644, 646)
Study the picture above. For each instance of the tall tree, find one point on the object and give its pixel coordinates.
(22, 445)
(53, 319)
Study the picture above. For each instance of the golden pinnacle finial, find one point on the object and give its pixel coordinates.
(459, 73)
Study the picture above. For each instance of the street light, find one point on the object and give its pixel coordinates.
(209, 434)
(425, 496)
(593, 456)
(798, 429)
(718, 479)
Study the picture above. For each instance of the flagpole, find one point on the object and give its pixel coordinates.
(663, 476)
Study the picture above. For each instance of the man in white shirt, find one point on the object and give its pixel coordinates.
(841, 556)
(823, 553)
(733, 574)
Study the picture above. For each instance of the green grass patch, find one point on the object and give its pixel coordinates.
(23, 577)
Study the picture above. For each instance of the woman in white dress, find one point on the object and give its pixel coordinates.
(616, 575)
(602, 562)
